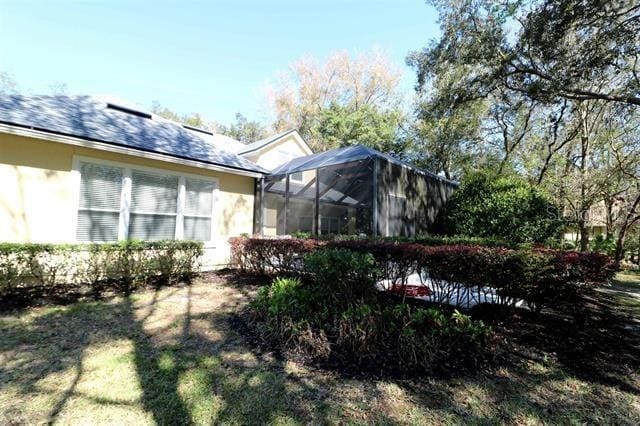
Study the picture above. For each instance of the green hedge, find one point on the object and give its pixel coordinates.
(540, 277)
(33, 273)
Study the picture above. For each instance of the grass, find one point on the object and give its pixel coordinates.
(626, 286)
(178, 355)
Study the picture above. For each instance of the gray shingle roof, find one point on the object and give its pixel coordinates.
(90, 118)
(254, 146)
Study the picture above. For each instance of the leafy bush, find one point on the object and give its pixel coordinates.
(343, 277)
(603, 244)
(324, 319)
(33, 272)
(280, 256)
(504, 207)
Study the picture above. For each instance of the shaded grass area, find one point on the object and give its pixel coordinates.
(178, 355)
(626, 294)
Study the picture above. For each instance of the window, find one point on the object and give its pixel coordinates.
(154, 206)
(99, 211)
(329, 225)
(119, 203)
(297, 176)
(197, 210)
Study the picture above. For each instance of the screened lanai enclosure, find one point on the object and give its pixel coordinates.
(350, 191)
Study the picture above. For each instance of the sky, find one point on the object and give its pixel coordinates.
(210, 57)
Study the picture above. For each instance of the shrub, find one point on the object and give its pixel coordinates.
(280, 256)
(603, 244)
(427, 337)
(312, 316)
(30, 273)
(342, 276)
(505, 207)
(537, 276)
(283, 255)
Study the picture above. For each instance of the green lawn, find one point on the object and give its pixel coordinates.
(178, 356)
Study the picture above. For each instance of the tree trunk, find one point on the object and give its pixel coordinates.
(609, 203)
(619, 253)
(584, 164)
(584, 234)
(630, 219)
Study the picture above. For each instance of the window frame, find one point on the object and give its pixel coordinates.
(125, 196)
(301, 180)
(77, 194)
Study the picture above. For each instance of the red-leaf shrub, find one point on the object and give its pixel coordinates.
(537, 276)
(270, 256)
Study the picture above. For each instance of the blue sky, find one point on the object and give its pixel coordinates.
(211, 57)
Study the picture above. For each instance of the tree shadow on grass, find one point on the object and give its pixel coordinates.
(190, 365)
(191, 362)
(591, 340)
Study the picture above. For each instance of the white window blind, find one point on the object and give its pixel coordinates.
(124, 203)
(99, 211)
(153, 211)
(198, 209)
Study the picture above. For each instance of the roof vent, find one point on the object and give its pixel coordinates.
(195, 129)
(129, 110)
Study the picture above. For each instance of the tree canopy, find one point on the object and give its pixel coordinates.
(545, 50)
(244, 130)
(336, 101)
(547, 90)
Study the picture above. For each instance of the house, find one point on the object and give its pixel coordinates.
(96, 169)
(276, 150)
(600, 219)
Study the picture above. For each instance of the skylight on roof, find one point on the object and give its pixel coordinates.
(196, 129)
(128, 110)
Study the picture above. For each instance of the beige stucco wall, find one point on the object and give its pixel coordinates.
(270, 156)
(38, 200)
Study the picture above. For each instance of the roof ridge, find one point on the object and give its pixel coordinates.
(260, 143)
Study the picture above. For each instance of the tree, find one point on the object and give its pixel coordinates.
(545, 50)
(545, 84)
(300, 96)
(8, 85)
(508, 207)
(244, 130)
(625, 146)
(193, 119)
(342, 126)
(447, 139)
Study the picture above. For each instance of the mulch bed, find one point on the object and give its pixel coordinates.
(590, 339)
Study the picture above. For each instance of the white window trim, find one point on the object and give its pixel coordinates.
(125, 200)
(125, 205)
